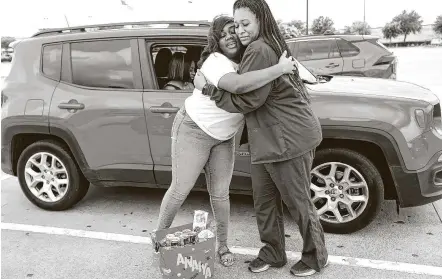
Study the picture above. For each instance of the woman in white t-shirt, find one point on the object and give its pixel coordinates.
(203, 134)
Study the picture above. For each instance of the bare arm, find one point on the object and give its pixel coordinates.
(253, 61)
(247, 82)
(240, 84)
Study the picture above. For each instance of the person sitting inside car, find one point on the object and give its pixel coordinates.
(181, 73)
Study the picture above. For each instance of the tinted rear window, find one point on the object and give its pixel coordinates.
(313, 50)
(52, 61)
(347, 49)
(334, 50)
(103, 64)
(317, 49)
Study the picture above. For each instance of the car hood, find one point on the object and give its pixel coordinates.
(376, 87)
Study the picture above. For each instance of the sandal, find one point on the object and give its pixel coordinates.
(222, 256)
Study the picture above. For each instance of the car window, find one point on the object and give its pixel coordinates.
(175, 65)
(292, 47)
(103, 64)
(334, 50)
(51, 64)
(347, 49)
(317, 49)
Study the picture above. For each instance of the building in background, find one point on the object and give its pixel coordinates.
(426, 37)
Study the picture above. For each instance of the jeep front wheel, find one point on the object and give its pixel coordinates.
(346, 189)
(49, 177)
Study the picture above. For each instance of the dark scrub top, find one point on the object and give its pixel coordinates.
(280, 123)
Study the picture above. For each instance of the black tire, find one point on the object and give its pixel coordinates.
(78, 184)
(374, 182)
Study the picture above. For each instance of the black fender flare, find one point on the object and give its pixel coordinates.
(383, 139)
(12, 127)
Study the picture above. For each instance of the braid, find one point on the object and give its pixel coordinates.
(270, 33)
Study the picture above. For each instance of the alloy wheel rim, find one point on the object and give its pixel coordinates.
(46, 177)
(339, 192)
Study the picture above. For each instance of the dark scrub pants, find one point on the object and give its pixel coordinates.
(288, 182)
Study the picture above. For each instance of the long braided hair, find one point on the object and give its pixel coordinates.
(213, 38)
(269, 31)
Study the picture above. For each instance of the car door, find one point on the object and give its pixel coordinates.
(161, 107)
(98, 104)
(320, 56)
(354, 62)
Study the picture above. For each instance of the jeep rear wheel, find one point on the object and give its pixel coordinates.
(347, 190)
(49, 177)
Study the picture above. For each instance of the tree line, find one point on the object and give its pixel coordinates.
(403, 24)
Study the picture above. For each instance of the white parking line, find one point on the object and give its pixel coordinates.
(338, 260)
(77, 233)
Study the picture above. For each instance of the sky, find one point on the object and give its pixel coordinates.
(22, 18)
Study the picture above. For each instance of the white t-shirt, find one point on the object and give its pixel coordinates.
(216, 122)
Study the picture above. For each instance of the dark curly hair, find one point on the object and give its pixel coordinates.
(214, 36)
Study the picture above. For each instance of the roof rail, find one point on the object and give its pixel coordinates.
(120, 25)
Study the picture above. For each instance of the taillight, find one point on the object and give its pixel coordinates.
(389, 60)
(385, 60)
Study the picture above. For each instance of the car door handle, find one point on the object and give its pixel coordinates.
(72, 104)
(332, 65)
(164, 109)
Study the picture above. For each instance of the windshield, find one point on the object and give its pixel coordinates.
(305, 74)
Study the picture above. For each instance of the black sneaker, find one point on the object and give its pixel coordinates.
(258, 265)
(300, 269)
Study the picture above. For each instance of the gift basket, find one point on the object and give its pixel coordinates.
(186, 252)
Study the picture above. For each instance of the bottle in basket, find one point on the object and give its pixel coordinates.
(192, 237)
(184, 239)
(169, 238)
(175, 241)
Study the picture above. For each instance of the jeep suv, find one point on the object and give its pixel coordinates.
(349, 55)
(85, 105)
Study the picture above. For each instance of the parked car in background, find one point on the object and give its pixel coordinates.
(347, 55)
(6, 56)
(83, 105)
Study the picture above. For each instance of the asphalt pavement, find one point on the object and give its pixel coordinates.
(106, 236)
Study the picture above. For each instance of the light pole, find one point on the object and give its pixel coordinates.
(66, 18)
(306, 23)
(364, 18)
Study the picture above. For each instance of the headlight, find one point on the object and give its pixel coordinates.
(420, 117)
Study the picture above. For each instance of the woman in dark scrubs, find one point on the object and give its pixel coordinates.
(283, 133)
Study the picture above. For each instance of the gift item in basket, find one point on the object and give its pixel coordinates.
(193, 236)
(169, 237)
(204, 235)
(175, 241)
(187, 231)
(200, 220)
(184, 239)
